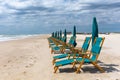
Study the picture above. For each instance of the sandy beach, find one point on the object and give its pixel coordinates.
(30, 59)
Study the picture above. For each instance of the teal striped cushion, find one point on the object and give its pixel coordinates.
(87, 39)
(85, 60)
(64, 62)
(60, 56)
(98, 41)
(56, 48)
(85, 46)
(86, 43)
(96, 49)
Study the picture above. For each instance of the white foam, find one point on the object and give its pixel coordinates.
(13, 37)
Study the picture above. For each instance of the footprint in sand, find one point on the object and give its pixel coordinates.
(31, 58)
(30, 65)
(26, 66)
(21, 57)
(35, 57)
(4, 65)
(34, 61)
(24, 73)
(9, 61)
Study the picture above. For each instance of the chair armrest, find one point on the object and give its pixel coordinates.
(88, 52)
(79, 48)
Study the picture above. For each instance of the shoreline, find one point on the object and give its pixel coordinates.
(4, 38)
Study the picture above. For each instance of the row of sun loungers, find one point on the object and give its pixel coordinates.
(75, 55)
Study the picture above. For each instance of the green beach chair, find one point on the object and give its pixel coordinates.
(64, 39)
(83, 49)
(50, 42)
(72, 43)
(59, 46)
(62, 46)
(88, 57)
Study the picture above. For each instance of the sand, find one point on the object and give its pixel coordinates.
(30, 59)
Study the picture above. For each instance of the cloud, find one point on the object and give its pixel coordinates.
(17, 4)
(45, 14)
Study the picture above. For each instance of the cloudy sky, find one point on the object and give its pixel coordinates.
(46, 16)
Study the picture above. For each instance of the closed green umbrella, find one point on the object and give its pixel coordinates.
(74, 31)
(65, 36)
(53, 34)
(56, 34)
(94, 29)
(65, 33)
(60, 34)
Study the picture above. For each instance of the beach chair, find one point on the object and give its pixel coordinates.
(59, 46)
(83, 49)
(88, 57)
(54, 42)
(72, 43)
(62, 46)
(50, 42)
(64, 39)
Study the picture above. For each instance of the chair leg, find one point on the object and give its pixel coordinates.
(52, 51)
(68, 56)
(53, 62)
(55, 69)
(73, 64)
(74, 57)
(97, 66)
(78, 69)
(61, 51)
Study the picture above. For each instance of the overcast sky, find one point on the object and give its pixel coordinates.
(44, 16)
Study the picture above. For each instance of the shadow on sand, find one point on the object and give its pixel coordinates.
(86, 68)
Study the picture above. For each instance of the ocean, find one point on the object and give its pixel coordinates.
(14, 37)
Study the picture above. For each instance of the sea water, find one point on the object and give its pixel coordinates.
(14, 37)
